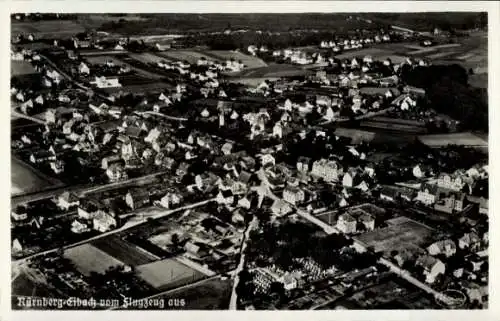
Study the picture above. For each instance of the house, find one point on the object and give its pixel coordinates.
(103, 82)
(280, 207)
(16, 246)
(432, 267)
(389, 193)
(116, 172)
(329, 170)
(417, 172)
(278, 130)
(225, 197)
(289, 281)
(83, 69)
(170, 200)
(453, 182)
(103, 221)
(267, 159)
(198, 250)
(227, 148)
(427, 194)
(67, 200)
(107, 161)
(346, 223)
(449, 201)
(446, 247)
(42, 156)
(20, 213)
(368, 221)
(293, 195)
(303, 164)
(78, 227)
(349, 177)
(137, 198)
(470, 241)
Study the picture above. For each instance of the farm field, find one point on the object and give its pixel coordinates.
(463, 139)
(88, 258)
(213, 294)
(24, 285)
(167, 274)
(21, 68)
(250, 62)
(47, 28)
(378, 91)
(24, 179)
(141, 88)
(123, 251)
(273, 70)
(407, 234)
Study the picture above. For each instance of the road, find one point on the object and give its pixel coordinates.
(80, 189)
(233, 303)
(161, 115)
(21, 115)
(125, 227)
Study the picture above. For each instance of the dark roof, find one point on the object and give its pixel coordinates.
(227, 193)
(245, 177)
(432, 188)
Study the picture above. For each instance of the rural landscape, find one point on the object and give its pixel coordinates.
(249, 161)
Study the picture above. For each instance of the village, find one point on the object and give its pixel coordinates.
(169, 172)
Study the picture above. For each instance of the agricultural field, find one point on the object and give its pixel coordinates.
(462, 139)
(378, 91)
(167, 274)
(250, 62)
(124, 251)
(24, 179)
(47, 28)
(88, 258)
(274, 71)
(212, 294)
(407, 234)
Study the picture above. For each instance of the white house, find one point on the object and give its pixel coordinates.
(432, 267)
(346, 223)
(83, 69)
(103, 82)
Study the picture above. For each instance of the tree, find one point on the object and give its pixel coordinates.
(175, 239)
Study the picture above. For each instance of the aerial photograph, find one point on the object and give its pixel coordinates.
(253, 161)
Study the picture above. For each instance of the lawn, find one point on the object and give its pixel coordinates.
(21, 68)
(190, 56)
(147, 57)
(88, 258)
(408, 234)
(24, 179)
(168, 274)
(213, 294)
(123, 251)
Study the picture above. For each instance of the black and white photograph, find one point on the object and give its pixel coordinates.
(249, 161)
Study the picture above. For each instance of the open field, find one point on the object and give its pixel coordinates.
(406, 235)
(47, 28)
(191, 56)
(273, 71)
(119, 62)
(147, 58)
(140, 88)
(213, 294)
(24, 179)
(24, 285)
(168, 273)
(250, 62)
(88, 258)
(21, 68)
(378, 91)
(123, 251)
(463, 139)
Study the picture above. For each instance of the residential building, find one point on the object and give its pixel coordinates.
(346, 223)
(303, 164)
(67, 200)
(20, 213)
(116, 172)
(470, 241)
(293, 195)
(427, 194)
(103, 82)
(280, 207)
(453, 182)
(137, 198)
(78, 227)
(329, 170)
(171, 199)
(446, 247)
(103, 221)
(432, 267)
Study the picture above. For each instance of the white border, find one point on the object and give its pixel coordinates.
(125, 6)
